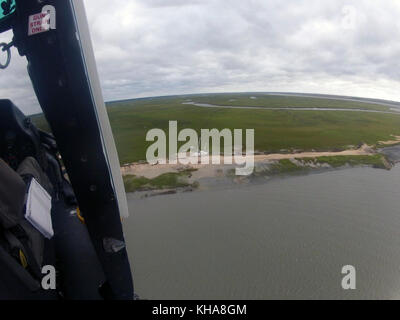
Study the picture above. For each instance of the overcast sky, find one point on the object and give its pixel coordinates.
(162, 47)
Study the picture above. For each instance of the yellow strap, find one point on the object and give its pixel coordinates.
(78, 213)
(22, 258)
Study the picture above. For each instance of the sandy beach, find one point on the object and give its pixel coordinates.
(210, 170)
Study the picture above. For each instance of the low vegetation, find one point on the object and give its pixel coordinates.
(295, 166)
(376, 161)
(275, 130)
(171, 180)
(285, 166)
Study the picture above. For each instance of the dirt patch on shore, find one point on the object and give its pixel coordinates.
(390, 142)
(362, 151)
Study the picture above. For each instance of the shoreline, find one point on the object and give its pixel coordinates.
(164, 179)
(152, 171)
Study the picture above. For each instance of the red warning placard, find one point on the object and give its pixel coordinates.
(38, 23)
